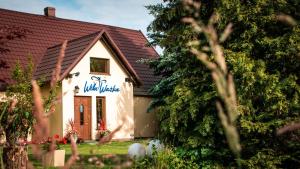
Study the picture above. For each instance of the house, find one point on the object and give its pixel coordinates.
(102, 82)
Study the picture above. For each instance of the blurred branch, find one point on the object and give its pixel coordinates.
(53, 99)
(74, 155)
(56, 72)
(286, 19)
(41, 128)
(109, 137)
(288, 128)
(227, 108)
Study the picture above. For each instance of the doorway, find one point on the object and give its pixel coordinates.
(82, 116)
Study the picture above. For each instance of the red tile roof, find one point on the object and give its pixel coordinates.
(46, 32)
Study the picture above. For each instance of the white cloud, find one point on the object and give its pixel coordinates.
(30, 6)
(124, 13)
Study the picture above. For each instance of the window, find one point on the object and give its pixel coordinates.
(81, 110)
(101, 116)
(98, 65)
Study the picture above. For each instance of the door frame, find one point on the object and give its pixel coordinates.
(91, 115)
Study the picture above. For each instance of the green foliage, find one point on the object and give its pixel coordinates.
(17, 123)
(17, 118)
(167, 159)
(264, 158)
(266, 104)
(262, 53)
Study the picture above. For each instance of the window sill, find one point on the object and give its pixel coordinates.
(98, 73)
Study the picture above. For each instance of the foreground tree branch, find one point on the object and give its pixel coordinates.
(288, 128)
(227, 106)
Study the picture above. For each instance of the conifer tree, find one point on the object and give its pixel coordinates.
(263, 55)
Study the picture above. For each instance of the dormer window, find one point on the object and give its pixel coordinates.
(99, 65)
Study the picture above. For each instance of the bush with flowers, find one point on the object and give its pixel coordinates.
(53, 143)
(71, 130)
(102, 131)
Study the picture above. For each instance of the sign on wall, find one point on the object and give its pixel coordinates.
(99, 85)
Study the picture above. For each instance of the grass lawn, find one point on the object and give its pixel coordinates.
(110, 154)
(114, 147)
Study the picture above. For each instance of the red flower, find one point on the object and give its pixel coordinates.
(49, 139)
(56, 136)
(102, 125)
(63, 141)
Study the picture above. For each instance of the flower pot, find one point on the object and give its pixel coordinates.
(102, 133)
(75, 137)
(55, 158)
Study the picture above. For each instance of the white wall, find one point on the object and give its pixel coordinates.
(119, 105)
(145, 123)
(56, 124)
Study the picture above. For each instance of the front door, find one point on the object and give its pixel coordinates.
(82, 116)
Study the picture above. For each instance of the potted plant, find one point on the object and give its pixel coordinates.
(102, 131)
(71, 131)
(54, 156)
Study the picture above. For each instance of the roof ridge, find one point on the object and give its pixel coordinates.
(70, 20)
(105, 35)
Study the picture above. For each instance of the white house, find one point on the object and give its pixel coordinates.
(102, 82)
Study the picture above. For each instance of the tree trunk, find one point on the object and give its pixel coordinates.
(15, 157)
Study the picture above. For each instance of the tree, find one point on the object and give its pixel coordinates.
(24, 111)
(262, 54)
(17, 119)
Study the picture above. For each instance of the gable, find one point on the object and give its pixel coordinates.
(101, 51)
(76, 49)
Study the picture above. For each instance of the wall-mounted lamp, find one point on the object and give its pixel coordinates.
(76, 89)
(127, 79)
(70, 75)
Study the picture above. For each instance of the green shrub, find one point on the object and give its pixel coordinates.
(166, 159)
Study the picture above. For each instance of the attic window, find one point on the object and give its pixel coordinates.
(99, 66)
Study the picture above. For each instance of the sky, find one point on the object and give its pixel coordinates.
(123, 13)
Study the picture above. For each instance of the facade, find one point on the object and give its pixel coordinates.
(102, 83)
